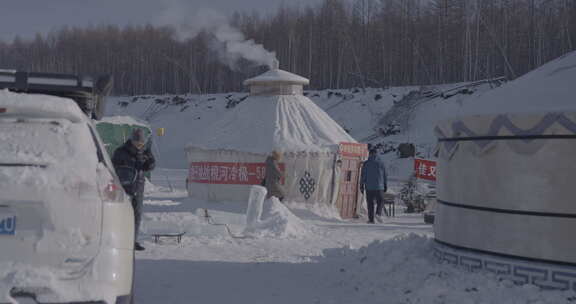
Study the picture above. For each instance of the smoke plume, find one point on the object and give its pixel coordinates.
(230, 43)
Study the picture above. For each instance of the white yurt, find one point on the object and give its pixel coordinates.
(506, 180)
(321, 162)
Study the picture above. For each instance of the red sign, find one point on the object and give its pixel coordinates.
(228, 173)
(353, 149)
(425, 169)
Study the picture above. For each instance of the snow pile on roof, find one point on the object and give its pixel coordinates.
(404, 270)
(277, 221)
(277, 76)
(124, 120)
(54, 154)
(264, 124)
(548, 88)
(40, 105)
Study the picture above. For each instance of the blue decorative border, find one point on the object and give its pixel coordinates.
(504, 122)
(543, 275)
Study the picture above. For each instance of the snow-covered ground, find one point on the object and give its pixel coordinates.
(327, 261)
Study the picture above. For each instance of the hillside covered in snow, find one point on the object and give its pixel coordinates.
(385, 116)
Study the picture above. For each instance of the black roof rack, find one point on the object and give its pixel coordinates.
(88, 94)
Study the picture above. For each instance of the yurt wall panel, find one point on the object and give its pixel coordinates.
(509, 177)
(310, 177)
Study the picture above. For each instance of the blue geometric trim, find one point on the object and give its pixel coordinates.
(503, 122)
(543, 275)
(524, 138)
(506, 256)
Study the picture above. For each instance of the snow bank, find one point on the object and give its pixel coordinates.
(151, 189)
(158, 191)
(324, 211)
(169, 222)
(50, 284)
(404, 270)
(277, 221)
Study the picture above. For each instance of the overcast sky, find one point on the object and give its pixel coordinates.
(27, 17)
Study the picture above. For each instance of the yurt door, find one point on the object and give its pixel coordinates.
(347, 199)
(352, 155)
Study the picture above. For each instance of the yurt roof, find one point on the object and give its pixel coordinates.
(549, 88)
(277, 76)
(262, 124)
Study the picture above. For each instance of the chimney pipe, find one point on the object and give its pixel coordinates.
(275, 64)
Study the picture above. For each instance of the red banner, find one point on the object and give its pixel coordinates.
(228, 173)
(425, 169)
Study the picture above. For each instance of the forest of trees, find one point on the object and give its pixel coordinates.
(337, 44)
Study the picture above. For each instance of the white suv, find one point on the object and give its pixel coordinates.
(66, 225)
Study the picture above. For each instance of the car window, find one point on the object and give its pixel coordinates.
(103, 155)
(99, 152)
(44, 142)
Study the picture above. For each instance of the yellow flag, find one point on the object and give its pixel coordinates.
(160, 131)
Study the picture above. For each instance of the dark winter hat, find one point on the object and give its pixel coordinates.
(138, 136)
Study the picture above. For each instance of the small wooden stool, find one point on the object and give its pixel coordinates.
(390, 201)
(177, 235)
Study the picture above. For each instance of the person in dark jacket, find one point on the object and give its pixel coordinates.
(131, 161)
(274, 176)
(373, 180)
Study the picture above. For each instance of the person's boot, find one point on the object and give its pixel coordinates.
(138, 247)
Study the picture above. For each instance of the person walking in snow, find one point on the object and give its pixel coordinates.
(131, 161)
(373, 180)
(274, 176)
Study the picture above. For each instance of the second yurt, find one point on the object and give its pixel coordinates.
(505, 181)
(321, 162)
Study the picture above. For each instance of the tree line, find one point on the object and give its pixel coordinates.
(336, 43)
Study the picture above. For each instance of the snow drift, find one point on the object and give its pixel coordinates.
(404, 270)
(277, 221)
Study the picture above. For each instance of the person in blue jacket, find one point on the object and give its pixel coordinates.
(373, 180)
